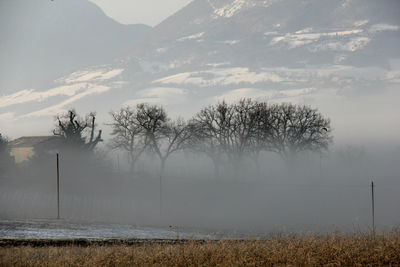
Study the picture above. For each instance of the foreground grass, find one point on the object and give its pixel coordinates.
(329, 250)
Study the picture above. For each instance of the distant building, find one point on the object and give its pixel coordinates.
(24, 148)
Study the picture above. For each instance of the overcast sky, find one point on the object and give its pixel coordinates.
(150, 12)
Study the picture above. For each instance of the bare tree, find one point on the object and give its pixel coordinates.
(246, 128)
(6, 160)
(3, 144)
(128, 134)
(294, 129)
(175, 138)
(212, 128)
(250, 130)
(163, 136)
(72, 129)
(261, 140)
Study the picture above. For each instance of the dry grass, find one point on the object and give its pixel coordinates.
(329, 250)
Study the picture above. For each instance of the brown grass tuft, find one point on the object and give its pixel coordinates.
(328, 250)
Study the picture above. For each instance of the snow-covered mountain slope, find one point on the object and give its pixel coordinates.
(271, 33)
(312, 51)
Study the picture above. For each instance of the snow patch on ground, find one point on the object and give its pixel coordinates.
(179, 63)
(73, 87)
(393, 76)
(347, 3)
(360, 23)
(383, 27)
(306, 30)
(345, 40)
(235, 6)
(231, 42)
(279, 76)
(220, 77)
(55, 109)
(216, 65)
(231, 9)
(191, 37)
(61, 229)
(91, 76)
(32, 95)
(303, 37)
(352, 45)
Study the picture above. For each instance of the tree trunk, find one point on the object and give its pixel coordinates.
(258, 168)
(162, 170)
(290, 160)
(132, 162)
(132, 167)
(162, 167)
(216, 168)
(237, 164)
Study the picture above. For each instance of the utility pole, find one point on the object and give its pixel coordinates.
(160, 200)
(373, 207)
(58, 188)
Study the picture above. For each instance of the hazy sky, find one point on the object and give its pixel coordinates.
(150, 12)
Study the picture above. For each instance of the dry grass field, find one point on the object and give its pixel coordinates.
(327, 250)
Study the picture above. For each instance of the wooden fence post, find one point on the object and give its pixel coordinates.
(373, 207)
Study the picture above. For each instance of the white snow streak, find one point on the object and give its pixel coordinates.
(360, 23)
(352, 45)
(191, 37)
(220, 77)
(78, 85)
(32, 95)
(345, 40)
(94, 76)
(231, 42)
(237, 76)
(303, 37)
(384, 27)
(259, 94)
(229, 10)
(235, 6)
(50, 111)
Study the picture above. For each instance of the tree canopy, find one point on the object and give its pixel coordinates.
(78, 132)
(223, 132)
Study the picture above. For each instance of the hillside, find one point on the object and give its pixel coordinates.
(320, 52)
(42, 40)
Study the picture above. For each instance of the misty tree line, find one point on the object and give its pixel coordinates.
(231, 134)
(226, 133)
(5, 157)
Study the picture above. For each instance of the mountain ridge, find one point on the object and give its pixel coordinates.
(315, 52)
(45, 39)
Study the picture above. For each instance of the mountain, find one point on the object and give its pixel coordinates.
(225, 36)
(326, 53)
(42, 40)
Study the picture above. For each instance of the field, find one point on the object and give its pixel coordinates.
(279, 250)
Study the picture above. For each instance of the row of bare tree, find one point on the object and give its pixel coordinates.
(226, 133)
(223, 132)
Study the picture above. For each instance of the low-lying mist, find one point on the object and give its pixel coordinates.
(314, 192)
